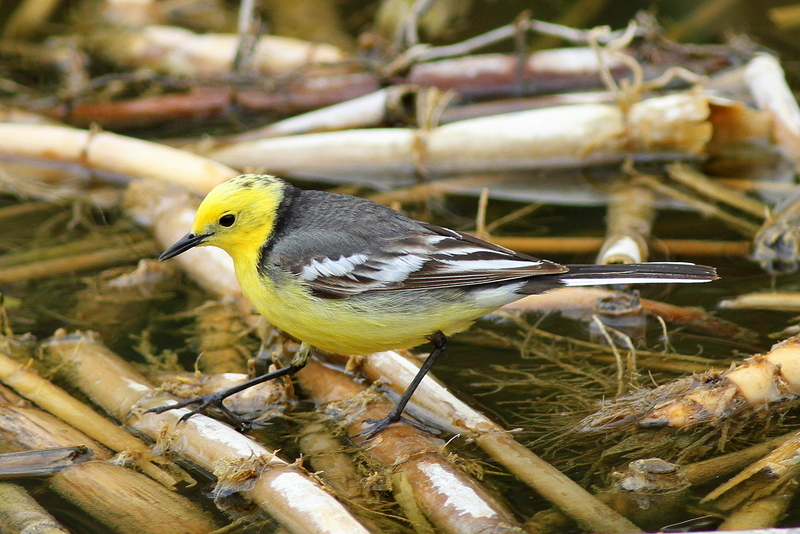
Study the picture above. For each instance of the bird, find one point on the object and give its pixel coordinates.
(348, 275)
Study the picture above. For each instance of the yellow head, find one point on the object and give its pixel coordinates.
(236, 216)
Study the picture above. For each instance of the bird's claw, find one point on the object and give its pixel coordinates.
(204, 402)
(377, 425)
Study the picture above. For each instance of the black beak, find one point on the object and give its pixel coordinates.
(182, 245)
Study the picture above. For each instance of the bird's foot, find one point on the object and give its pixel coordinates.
(213, 400)
(377, 425)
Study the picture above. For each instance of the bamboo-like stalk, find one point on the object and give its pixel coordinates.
(783, 301)
(128, 502)
(182, 52)
(449, 412)
(311, 20)
(699, 473)
(295, 96)
(759, 496)
(19, 512)
(220, 331)
(762, 513)
(708, 470)
(41, 462)
(713, 189)
(629, 220)
(362, 112)
(73, 248)
(744, 226)
(580, 302)
(559, 137)
(55, 400)
(708, 398)
(125, 501)
(28, 17)
(104, 151)
(650, 492)
(586, 245)
(785, 17)
(767, 83)
(332, 460)
(240, 463)
(454, 502)
(780, 464)
(699, 21)
(326, 455)
(79, 262)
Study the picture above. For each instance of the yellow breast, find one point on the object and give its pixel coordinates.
(381, 321)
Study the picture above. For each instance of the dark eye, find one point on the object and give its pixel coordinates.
(227, 220)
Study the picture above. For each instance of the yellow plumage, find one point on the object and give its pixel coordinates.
(386, 320)
(347, 275)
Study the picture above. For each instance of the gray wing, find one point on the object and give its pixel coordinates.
(387, 251)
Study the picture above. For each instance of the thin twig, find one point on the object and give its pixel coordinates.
(248, 35)
(468, 46)
(480, 222)
(514, 215)
(617, 357)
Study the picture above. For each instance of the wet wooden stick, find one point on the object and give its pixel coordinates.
(779, 464)
(783, 301)
(713, 189)
(708, 470)
(326, 455)
(739, 224)
(125, 501)
(28, 17)
(449, 412)
(759, 496)
(58, 402)
(41, 462)
(108, 152)
(588, 245)
(762, 513)
(19, 512)
(580, 302)
(701, 19)
(332, 459)
(709, 398)
(240, 463)
(129, 502)
(25, 209)
(766, 80)
(79, 246)
(220, 331)
(559, 137)
(629, 219)
(453, 501)
(79, 262)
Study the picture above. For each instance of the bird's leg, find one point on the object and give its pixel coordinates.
(215, 399)
(439, 341)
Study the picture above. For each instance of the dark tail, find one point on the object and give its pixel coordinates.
(637, 273)
(631, 273)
